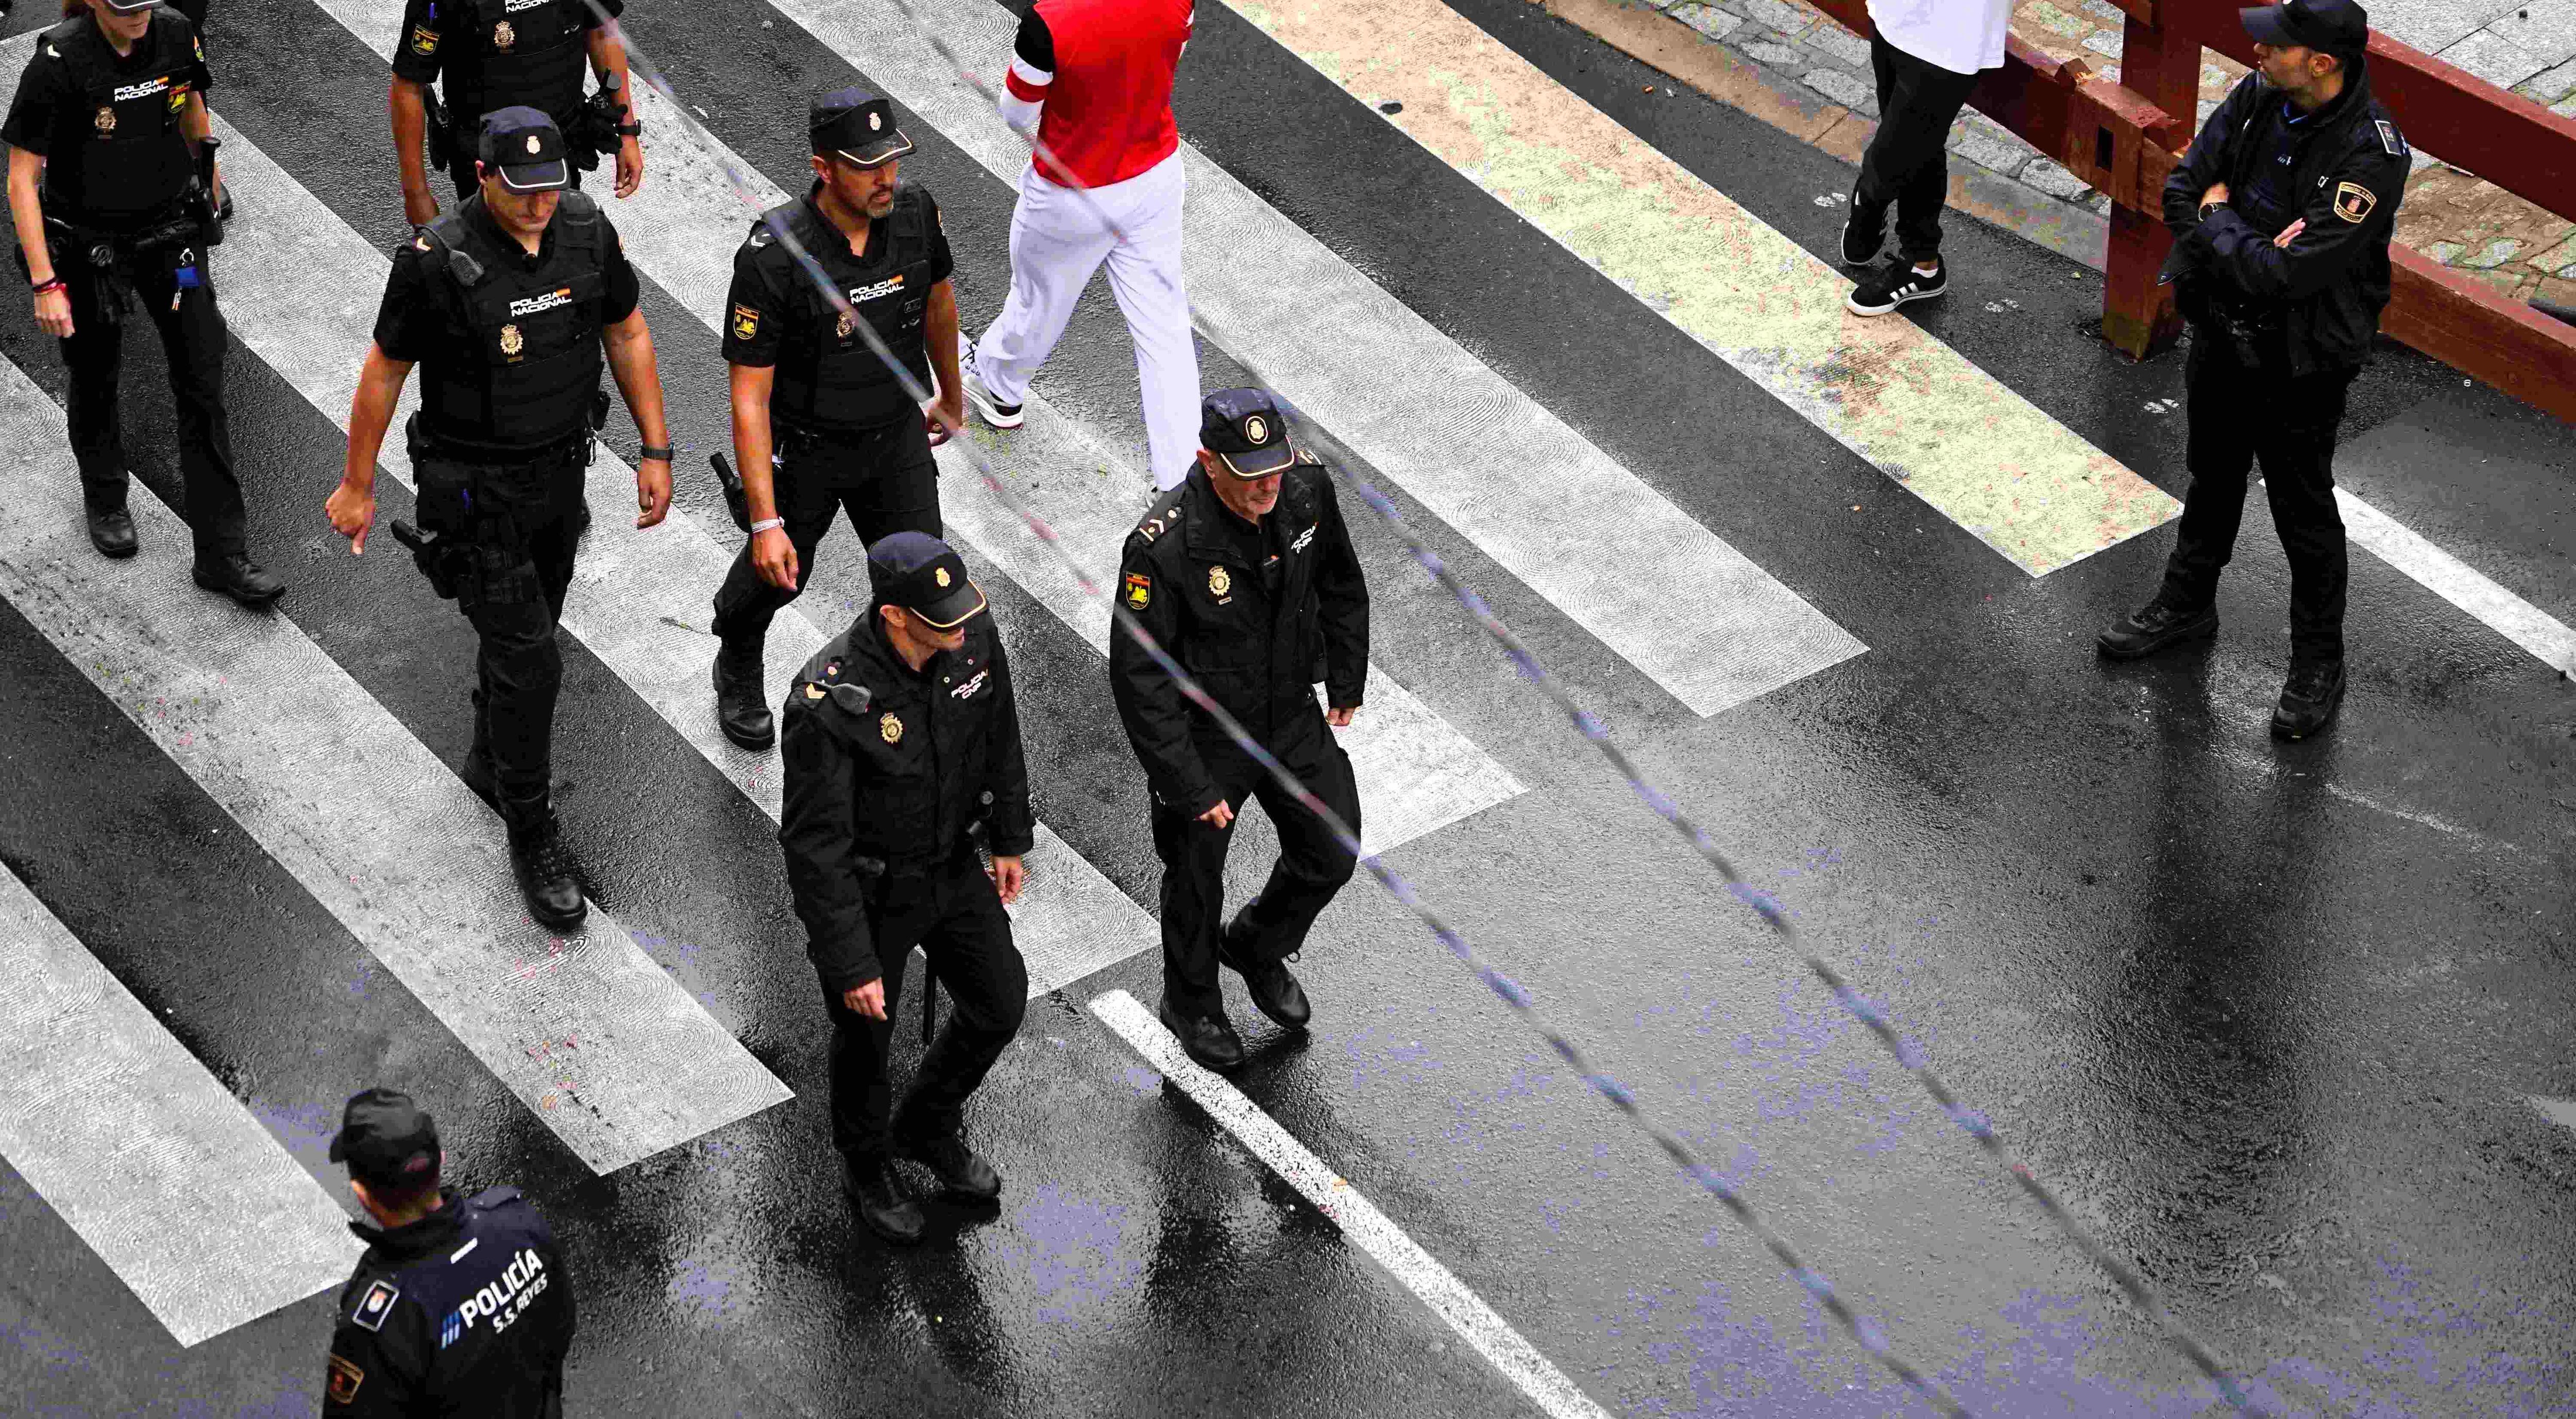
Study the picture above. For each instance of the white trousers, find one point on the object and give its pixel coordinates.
(1057, 241)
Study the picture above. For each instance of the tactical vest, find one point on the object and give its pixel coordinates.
(520, 53)
(826, 373)
(496, 1309)
(131, 157)
(532, 358)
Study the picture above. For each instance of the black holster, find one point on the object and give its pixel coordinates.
(442, 139)
(111, 256)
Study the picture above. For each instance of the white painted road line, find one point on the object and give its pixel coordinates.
(595, 1038)
(203, 1216)
(1670, 596)
(1366, 1227)
(2460, 584)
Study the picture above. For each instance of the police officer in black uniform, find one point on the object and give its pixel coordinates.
(1246, 575)
(820, 425)
(903, 746)
(462, 1304)
(508, 304)
(491, 54)
(2281, 214)
(110, 121)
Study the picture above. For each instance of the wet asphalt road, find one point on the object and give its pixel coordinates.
(2269, 1016)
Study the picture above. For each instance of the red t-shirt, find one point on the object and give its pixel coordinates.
(1103, 69)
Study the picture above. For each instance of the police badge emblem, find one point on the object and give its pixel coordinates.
(2353, 202)
(1218, 582)
(1256, 430)
(890, 729)
(533, 145)
(503, 36)
(940, 575)
(105, 122)
(848, 323)
(511, 342)
(875, 122)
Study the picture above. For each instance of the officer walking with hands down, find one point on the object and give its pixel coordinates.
(903, 735)
(2281, 213)
(111, 182)
(508, 304)
(1246, 576)
(820, 425)
(461, 1304)
(493, 54)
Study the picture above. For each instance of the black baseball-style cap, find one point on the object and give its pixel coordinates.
(1243, 429)
(526, 148)
(2337, 27)
(858, 126)
(386, 1140)
(130, 7)
(924, 576)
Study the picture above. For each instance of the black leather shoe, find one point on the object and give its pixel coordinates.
(2154, 626)
(1207, 1039)
(238, 577)
(544, 869)
(2309, 700)
(1271, 987)
(112, 532)
(960, 1169)
(742, 707)
(881, 1201)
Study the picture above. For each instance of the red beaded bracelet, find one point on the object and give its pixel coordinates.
(55, 284)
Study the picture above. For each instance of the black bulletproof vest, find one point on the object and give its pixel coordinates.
(499, 1311)
(123, 156)
(826, 374)
(532, 357)
(530, 52)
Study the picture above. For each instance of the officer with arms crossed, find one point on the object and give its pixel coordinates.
(461, 1304)
(2281, 213)
(1246, 575)
(110, 120)
(508, 303)
(820, 425)
(491, 54)
(902, 735)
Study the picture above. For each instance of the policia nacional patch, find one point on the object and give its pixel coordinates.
(345, 1379)
(1140, 591)
(2353, 202)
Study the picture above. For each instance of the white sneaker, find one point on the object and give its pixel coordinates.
(991, 410)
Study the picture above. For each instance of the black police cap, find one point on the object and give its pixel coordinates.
(1243, 429)
(386, 1140)
(857, 125)
(526, 148)
(2337, 27)
(924, 576)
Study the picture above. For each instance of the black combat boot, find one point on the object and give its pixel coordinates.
(544, 866)
(960, 1169)
(2156, 625)
(742, 706)
(1271, 987)
(2310, 699)
(880, 1199)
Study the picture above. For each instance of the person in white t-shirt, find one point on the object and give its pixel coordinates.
(1926, 57)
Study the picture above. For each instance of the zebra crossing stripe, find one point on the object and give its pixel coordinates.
(597, 1040)
(1952, 434)
(203, 1216)
(1687, 609)
(1416, 772)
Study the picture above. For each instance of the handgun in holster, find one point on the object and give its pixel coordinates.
(442, 139)
(728, 482)
(201, 196)
(432, 554)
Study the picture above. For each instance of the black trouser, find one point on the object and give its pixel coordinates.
(884, 478)
(1312, 865)
(953, 913)
(2239, 413)
(192, 341)
(511, 565)
(1907, 163)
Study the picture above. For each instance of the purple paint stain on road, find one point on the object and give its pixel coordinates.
(1075, 1252)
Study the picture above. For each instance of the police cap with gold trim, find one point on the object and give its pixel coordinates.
(1243, 429)
(924, 576)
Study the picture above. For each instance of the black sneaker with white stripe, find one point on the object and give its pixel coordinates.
(1864, 234)
(1894, 284)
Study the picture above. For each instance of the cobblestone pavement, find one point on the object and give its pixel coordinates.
(2471, 226)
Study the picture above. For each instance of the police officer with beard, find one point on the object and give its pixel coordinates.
(508, 304)
(820, 425)
(492, 54)
(2281, 213)
(461, 1305)
(903, 743)
(110, 122)
(1246, 576)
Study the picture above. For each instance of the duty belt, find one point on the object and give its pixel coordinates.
(111, 255)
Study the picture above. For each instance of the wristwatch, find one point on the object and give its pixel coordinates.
(2207, 207)
(650, 452)
(632, 128)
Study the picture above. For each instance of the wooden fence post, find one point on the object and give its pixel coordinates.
(2161, 65)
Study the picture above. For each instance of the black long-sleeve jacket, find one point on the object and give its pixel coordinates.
(887, 768)
(1182, 578)
(466, 1312)
(2331, 282)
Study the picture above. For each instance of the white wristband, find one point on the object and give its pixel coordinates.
(767, 523)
